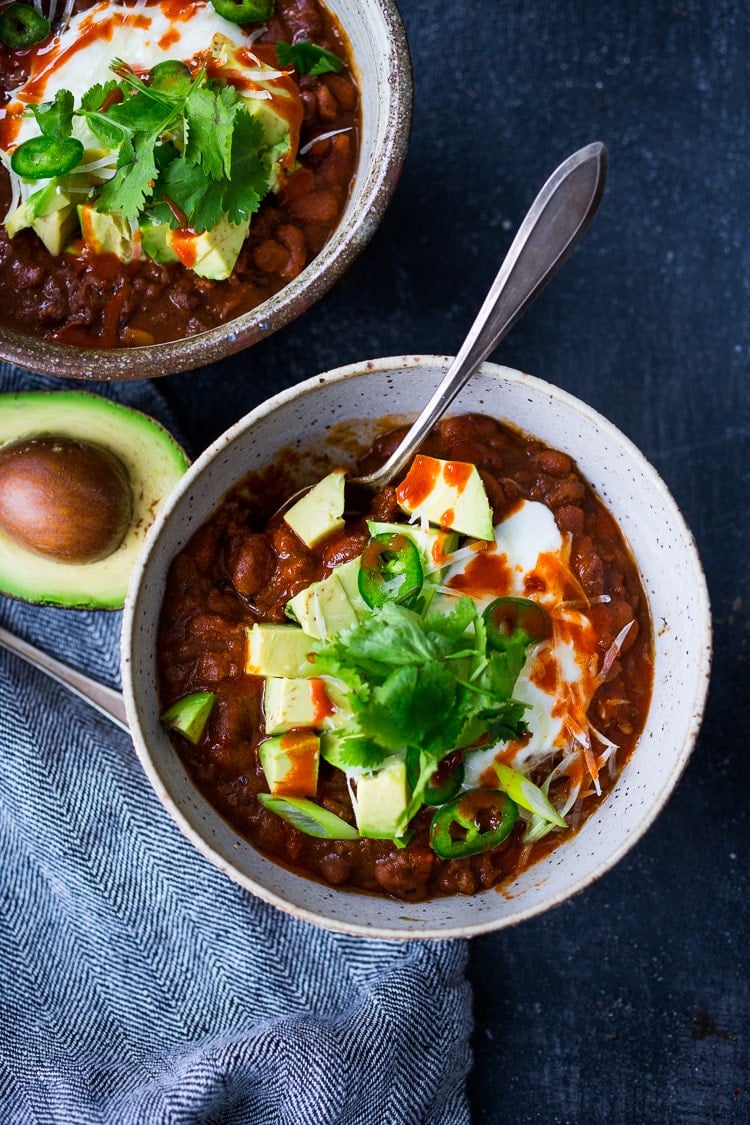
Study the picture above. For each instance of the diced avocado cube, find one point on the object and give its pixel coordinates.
(21, 218)
(382, 801)
(212, 254)
(290, 763)
(57, 228)
(348, 575)
(323, 608)
(52, 211)
(277, 650)
(435, 545)
(51, 214)
(155, 242)
(450, 494)
(275, 125)
(190, 714)
(320, 512)
(279, 110)
(290, 703)
(107, 233)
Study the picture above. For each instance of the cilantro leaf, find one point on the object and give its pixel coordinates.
(347, 748)
(249, 179)
(308, 58)
(200, 199)
(424, 685)
(186, 148)
(409, 709)
(96, 96)
(55, 118)
(126, 193)
(210, 119)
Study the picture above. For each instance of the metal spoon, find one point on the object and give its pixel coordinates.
(105, 700)
(553, 225)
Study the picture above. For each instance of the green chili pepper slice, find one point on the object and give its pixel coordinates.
(474, 822)
(390, 570)
(171, 76)
(512, 620)
(41, 158)
(244, 11)
(22, 26)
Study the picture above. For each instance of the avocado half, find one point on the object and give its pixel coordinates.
(154, 463)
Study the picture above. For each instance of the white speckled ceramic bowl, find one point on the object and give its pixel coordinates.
(383, 66)
(661, 544)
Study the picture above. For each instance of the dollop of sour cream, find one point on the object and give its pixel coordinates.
(81, 55)
(531, 558)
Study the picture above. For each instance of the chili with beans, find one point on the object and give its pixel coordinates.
(240, 568)
(95, 300)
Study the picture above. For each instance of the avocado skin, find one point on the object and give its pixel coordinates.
(153, 460)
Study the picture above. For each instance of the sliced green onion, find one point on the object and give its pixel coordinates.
(22, 26)
(309, 818)
(526, 794)
(41, 158)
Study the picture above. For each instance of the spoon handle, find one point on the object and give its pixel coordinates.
(553, 225)
(103, 699)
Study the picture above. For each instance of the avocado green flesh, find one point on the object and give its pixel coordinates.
(153, 460)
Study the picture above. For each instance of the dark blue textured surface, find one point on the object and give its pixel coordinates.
(629, 1003)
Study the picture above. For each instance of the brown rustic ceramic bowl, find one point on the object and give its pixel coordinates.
(383, 67)
(359, 396)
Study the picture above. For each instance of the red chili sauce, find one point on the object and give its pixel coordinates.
(241, 567)
(95, 300)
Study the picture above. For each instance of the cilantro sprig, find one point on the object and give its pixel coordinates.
(425, 685)
(187, 150)
(308, 58)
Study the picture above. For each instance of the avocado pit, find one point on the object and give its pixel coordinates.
(64, 499)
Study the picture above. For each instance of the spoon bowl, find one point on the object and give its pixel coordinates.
(554, 224)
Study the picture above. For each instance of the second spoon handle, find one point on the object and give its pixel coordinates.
(103, 699)
(553, 225)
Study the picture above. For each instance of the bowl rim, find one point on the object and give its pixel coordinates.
(697, 706)
(326, 268)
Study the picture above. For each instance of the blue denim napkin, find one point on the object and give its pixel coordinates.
(137, 983)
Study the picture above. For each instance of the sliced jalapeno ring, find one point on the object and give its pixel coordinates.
(41, 158)
(473, 823)
(172, 75)
(22, 26)
(390, 569)
(244, 11)
(516, 619)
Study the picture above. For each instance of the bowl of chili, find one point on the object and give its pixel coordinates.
(597, 544)
(117, 268)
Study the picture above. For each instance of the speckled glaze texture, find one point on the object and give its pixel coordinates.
(660, 541)
(383, 69)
